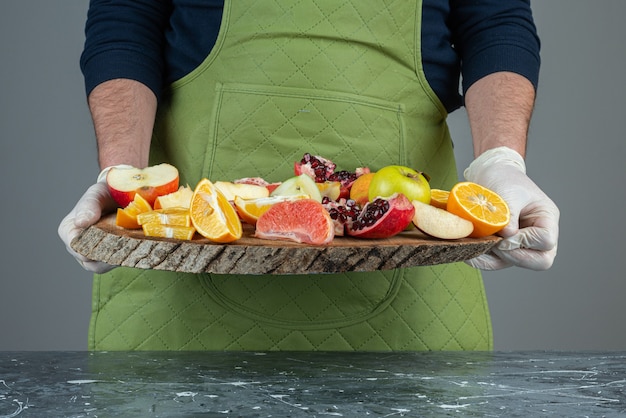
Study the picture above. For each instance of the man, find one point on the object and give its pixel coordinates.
(245, 90)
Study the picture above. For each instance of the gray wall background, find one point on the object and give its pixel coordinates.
(576, 153)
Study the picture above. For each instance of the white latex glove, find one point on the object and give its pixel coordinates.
(96, 202)
(531, 237)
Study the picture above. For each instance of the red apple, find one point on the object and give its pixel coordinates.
(399, 179)
(149, 182)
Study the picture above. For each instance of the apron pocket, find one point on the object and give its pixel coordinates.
(305, 301)
(262, 130)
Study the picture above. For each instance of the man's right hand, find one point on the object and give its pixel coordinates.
(96, 202)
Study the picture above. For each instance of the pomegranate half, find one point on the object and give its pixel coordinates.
(383, 217)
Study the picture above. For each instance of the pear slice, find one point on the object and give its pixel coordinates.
(440, 223)
(298, 185)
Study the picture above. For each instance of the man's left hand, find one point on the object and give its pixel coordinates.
(531, 237)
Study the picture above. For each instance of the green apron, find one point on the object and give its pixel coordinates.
(343, 80)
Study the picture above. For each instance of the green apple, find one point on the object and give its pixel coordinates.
(399, 179)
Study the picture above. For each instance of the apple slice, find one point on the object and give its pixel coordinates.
(302, 184)
(440, 223)
(243, 190)
(329, 189)
(259, 181)
(149, 182)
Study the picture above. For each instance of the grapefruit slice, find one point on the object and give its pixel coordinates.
(301, 220)
(251, 209)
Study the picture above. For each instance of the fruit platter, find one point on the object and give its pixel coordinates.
(319, 221)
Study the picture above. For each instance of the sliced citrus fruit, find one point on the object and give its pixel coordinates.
(156, 229)
(179, 198)
(127, 217)
(439, 198)
(301, 220)
(482, 207)
(212, 215)
(126, 220)
(176, 216)
(251, 209)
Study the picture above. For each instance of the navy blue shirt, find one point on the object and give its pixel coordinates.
(159, 41)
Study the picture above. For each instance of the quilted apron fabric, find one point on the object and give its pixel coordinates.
(339, 79)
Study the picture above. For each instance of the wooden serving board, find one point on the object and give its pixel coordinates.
(109, 243)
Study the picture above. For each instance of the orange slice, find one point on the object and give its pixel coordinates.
(251, 209)
(127, 217)
(482, 207)
(212, 215)
(156, 229)
(176, 216)
(126, 220)
(439, 198)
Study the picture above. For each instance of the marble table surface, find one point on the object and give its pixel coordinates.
(293, 384)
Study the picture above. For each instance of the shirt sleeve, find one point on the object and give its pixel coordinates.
(495, 35)
(124, 39)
